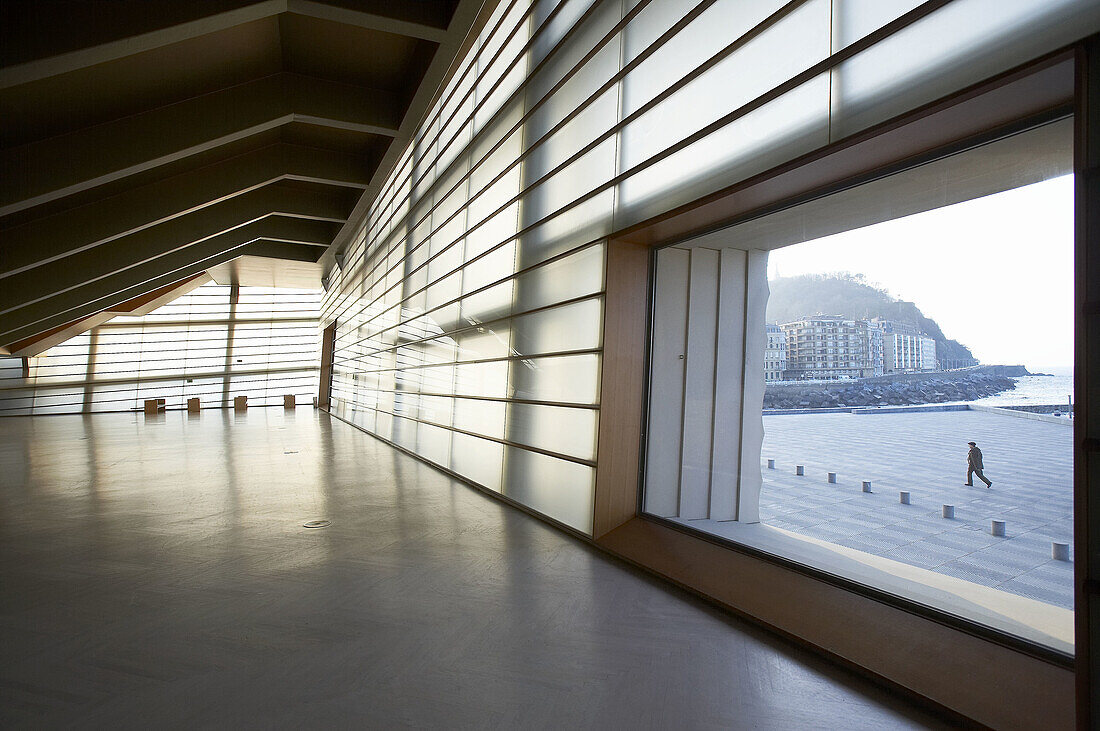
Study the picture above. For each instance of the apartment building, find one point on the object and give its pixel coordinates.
(828, 348)
(905, 349)
(775, 354)
(928, 360)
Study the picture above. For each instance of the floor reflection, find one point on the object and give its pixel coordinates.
(158, 569)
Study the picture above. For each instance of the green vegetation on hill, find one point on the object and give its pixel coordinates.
(850, 296)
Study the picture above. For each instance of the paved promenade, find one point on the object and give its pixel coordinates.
(1030, 463)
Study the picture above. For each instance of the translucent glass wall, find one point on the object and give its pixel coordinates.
(468, 305)
(214, 343)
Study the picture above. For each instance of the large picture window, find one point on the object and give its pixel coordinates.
(816, 375)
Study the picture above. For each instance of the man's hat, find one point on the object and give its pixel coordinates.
(972, 444)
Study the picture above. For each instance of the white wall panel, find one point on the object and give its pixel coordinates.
(668, 351)
(715, 311)
(752, 391)
(698, 419)
(729, 360)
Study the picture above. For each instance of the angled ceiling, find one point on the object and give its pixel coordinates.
(146, 141)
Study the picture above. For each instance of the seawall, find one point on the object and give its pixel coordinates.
(902, 389)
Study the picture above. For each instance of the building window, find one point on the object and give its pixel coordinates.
(857, 463)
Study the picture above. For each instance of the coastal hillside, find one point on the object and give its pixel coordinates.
(850, 296)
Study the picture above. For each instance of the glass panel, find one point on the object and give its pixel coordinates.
(562, 490)
(179, 351)
(434, 444)
(575, 275)
(480, 417)
(557, 429)
(960, 44)
(569, 327)
(854, 19)
(478, 460)
(566, 379)
(719, 25)
(795, 123)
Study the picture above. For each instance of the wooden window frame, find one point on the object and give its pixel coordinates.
(916, 650)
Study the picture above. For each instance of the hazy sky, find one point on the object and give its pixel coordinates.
(996, 273)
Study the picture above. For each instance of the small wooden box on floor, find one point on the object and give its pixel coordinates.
(288, 401)
(153, 406)
(240, 403)
(192, 405)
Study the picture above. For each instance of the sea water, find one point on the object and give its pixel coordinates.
(1033, 391)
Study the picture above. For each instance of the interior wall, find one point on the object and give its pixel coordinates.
(213, 343)
(469, 316)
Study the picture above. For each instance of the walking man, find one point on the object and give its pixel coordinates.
(974, 466)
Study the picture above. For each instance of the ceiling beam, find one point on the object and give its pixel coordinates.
(113, 49)
(72, 258)
(139, 208)
(271, 249)
(224, 223)
(105, 293)
(368, 21)
(50, 169)
(32, 346)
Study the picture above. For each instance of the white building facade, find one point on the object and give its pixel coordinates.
(775, 354)
(827, 348)
(928, 360)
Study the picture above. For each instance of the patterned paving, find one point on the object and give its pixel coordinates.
(1030, 463)
(157, 575)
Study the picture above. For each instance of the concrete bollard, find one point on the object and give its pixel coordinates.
(799, 470)
(997, 528)
(832, 478)
(949, 511)
(904, 497)
(771, 464)
(1059, 551)
(867, 486)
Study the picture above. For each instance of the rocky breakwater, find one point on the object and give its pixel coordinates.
(900, 390)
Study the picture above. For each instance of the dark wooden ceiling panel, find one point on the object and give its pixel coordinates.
(166, 75)
(434, 13)
(35, 29)
(143, 140)
(362, 56)
(164, 172)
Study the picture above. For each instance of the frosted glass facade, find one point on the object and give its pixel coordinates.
(469, 302)
(214, 343)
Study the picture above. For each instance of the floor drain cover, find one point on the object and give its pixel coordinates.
(316, 524)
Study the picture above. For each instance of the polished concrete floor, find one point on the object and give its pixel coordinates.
(157, 574)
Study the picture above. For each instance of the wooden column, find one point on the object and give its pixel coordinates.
(328, 346)
(622, 378)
